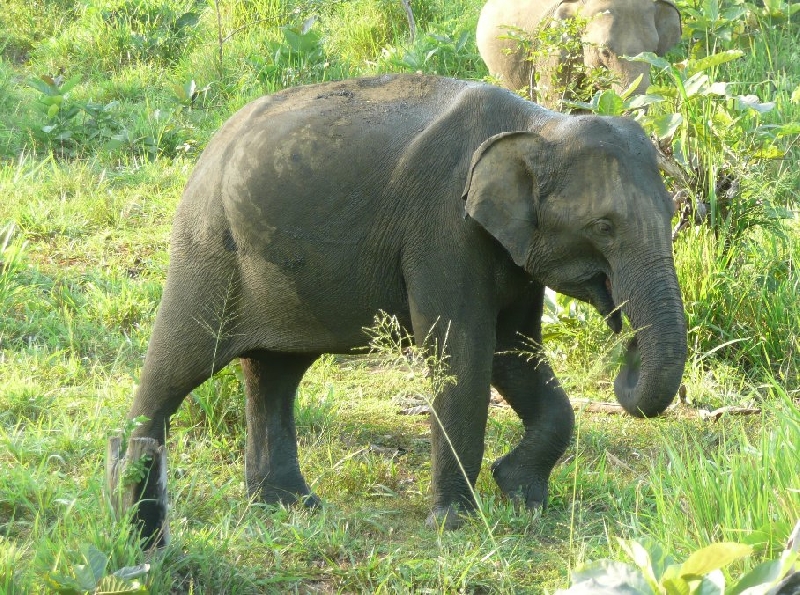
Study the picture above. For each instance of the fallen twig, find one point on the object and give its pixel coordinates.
(613, 408)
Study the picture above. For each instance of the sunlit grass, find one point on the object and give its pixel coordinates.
(80, 280)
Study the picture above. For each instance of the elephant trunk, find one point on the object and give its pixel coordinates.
(629, 74)
(654, 362)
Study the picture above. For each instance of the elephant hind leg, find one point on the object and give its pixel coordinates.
(183, 352)
(194, 337)
(271, 465)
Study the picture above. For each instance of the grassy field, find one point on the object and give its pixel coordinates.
(104, 107)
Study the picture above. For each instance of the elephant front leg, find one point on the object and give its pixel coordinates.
(458, 424)
(533, 391)
(458, 421)
(272, 469)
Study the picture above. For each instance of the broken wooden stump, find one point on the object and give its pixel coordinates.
(137, 485)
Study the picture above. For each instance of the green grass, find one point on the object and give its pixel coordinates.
(84, 224)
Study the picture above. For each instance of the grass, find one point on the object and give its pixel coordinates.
(84, 223)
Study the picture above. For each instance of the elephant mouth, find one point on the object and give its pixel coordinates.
(603, 301)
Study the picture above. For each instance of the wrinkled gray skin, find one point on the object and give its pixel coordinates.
(434, 200)
(616, 28)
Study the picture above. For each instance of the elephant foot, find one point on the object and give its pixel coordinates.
(288, 494)
(448, 517)
(523, 486)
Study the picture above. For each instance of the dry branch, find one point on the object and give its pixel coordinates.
(613, 408)
(410, 16)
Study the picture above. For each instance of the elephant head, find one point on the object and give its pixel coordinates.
(615, 28)
(580, 205)
(619, 28)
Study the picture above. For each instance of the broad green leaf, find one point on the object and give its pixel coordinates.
(60, 583)
(718, 88)
(765, 575)
(97, 561)
(711, 9)
(52, 111)
(788, 129)
(636, 552)
(711, 584)
(43, 86)
(112, 585)
(85, 576)
(632, 87)
(640, 101)
(131, 572)
(608, 576)
(114, 143)
(696, 84)
(662, 91)
(660, 560)
(641, 557)
(713, 557)
(702, 64)
(665, 126)
(672, 583)
(67, 86)
(187, 19)
(650, 58)
(609, 104)
(675, 586)
(752, 102)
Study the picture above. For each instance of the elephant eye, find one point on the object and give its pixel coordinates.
(606, 53)
(603, 227)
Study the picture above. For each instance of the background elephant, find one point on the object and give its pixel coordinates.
(615, 28)
(446, 203)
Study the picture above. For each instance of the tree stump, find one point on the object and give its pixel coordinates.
(137, 485)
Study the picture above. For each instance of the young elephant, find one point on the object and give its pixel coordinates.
(446, 203)
(615, 28)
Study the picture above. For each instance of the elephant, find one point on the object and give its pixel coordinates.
(615, 28)
(448, 204)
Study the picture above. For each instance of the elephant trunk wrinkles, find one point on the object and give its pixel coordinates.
(655, 359)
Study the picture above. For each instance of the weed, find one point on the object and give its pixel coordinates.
(433, 53)
(92, 577)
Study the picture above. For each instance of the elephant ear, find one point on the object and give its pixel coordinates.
(566, 9)
(502, 190)
(668, 25)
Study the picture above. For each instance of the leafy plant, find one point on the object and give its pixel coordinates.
(713, 25)
(299, 57)
(655, 571)
(557, 48)
(432, 53)
(69, 124)
(777, 11)
(150, 30)
(188, 93)
(713, 134)
(707, 134)
(92, 577)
